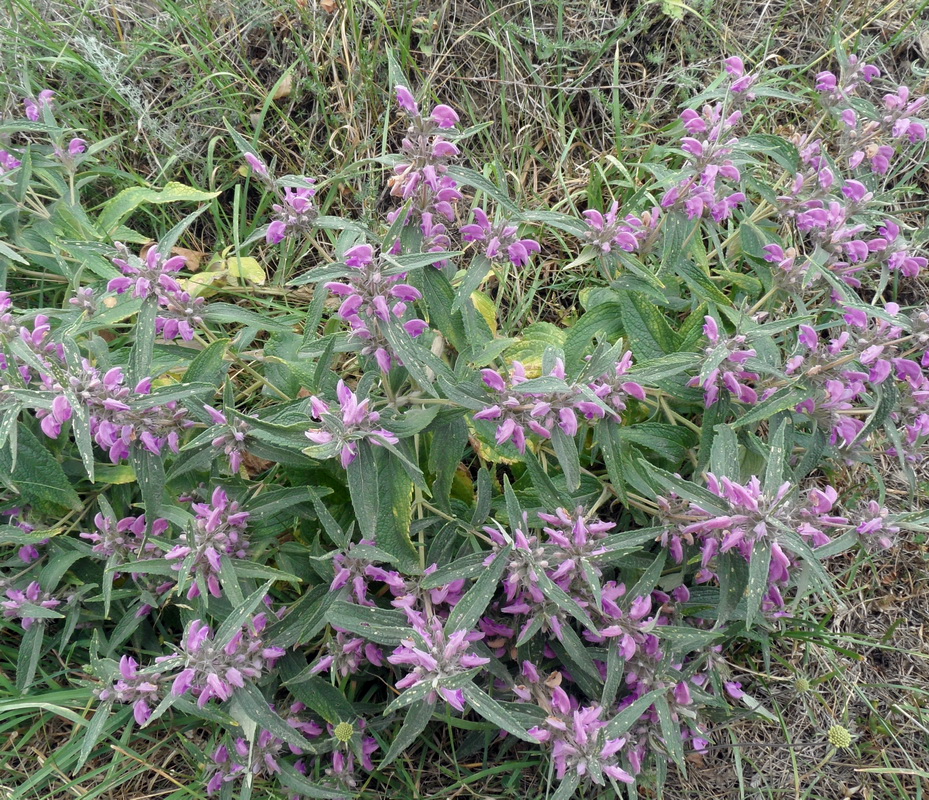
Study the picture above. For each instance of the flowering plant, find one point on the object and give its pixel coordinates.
(377, 489)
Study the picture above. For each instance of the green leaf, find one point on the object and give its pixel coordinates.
(542, 483)
(568, 458)
(95, 730)
(415, 722)
(724, 455)
(472, 605)
(321, 696)
(699, 282)
(781, 447)
(615, 666)
(128, 200)
(301, 785)
(439, 296)
(415, 694)
(564, 222)
(669, 441)
(567, 786)
(224, 312)
(380, 625)
(469, 566)
(886, 403)
(209, 365)
(150, 475)
(733, 580)
(670, 732)
(240, 615)
(687, 490)
(758, 569)
(492, 711)
(256, 708)
(603, 320)
(381, 492)
(305, 619)
(628, 717)
(469, 177)
(37, 476)
(649, 334)
(140, 358)
(782, 400)
(28, 654)
(779, 150)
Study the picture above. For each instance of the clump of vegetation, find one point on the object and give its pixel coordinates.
(335, 495)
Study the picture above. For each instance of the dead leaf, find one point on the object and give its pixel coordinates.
(255, 465)
(553, 681)
(194, 258)
(284, 87)
(329, 6)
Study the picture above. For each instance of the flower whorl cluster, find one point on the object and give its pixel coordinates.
(115, 424)
(725, 367)
(215, 670)
(232, 440)
(232, 761)
(566, 557)
(179, 314)
(344, 655)
(422, 177)
(8, 162)
(296, 213)
(708, 147)
(124, 540)
(115, 421)
(341, 432)
(579, 743)
(631, 233)
(142, 689)
(502, 238)
(18, 601)
(218, 530)
(755, 516)
(374, 298)
(436, 657)
(35, 106)
(519, 411)
(867, 140)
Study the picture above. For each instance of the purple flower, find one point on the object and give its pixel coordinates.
(34, 108)
(341, 432)
(580, 746)
(726, 358)
(215, 670)
(436, 658)
(421, 177)
(142, 689)
(257, 164)
(124, 540)
(502, 240)
(219, 530)
(296, 213)
(373, 300)
(32, 595)
(406, 100)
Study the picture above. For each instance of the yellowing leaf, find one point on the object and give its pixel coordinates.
(247, 268)
(486, 309)
(128, 200)
(203, 284)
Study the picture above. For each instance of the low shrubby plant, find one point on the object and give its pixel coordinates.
(310, 534)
